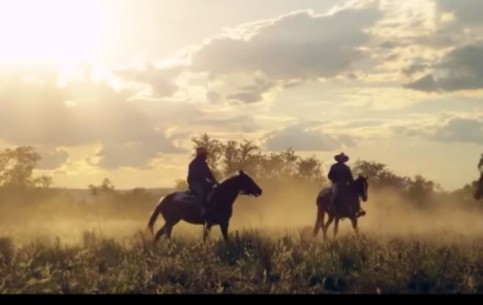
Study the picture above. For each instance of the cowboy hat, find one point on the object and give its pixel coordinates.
(341, 158)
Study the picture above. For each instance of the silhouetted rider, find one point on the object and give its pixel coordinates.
(341, 177)
(200, 178)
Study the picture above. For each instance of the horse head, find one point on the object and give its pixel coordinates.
(362, 187)
(479, 189)
(247, 185)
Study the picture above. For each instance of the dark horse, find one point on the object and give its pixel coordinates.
(479, 189)
(346, 208)
(179, 206)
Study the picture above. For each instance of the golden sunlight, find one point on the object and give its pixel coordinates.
(55, 31)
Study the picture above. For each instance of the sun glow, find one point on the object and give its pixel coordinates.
(65, 32)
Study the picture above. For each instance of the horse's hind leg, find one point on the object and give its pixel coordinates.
(166, 229)
(169, 227)
(224, 229)
(354, 225)
(319, 221)
(326, 226)
(206, 231)
(160, 233)
(336, 227)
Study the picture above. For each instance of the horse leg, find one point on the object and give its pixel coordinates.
(169, 229)
(336, 227)
(327, 225)
(224, 229)
(206, 231)
(354, 225)
(166, 229)
(160, 233)
(319, 221)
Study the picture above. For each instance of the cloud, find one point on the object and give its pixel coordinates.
(52, 158)
(137, 155)
(452, 129)
(243, 123)
(466, 130)
(460, 69)
(252, 93)
(414, 68)
(456, 25)
(450, 104)
(299, 137)
(467, 12)
(161, 81)
(38, 112)
(300, 45)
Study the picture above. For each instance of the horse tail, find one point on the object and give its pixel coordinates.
(318, 217)
(154, 215)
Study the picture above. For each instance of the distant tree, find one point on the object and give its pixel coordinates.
(17, 166)
(379, 176)
(239, 156)
(105, 187)
(228, 158)
(310, 169)
(43, 182)
(420, 190)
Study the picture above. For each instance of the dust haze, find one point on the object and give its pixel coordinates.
(290, 209)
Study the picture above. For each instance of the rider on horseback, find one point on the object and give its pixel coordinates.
(341, 177)
(200, 178)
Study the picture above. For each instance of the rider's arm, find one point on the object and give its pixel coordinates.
(331, 173)
(208, 173)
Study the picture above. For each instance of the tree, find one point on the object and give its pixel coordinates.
(237, 156)
(227, 158)
(420, 190)
(310, 169)
(105, 188)
(380, 176)
(43, 182)
(17, 166)
(289, 162)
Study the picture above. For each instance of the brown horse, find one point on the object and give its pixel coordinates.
(179, 206)
(348, 202)
(479, 189)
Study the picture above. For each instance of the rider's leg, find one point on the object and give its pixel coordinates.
(199, 191)
(334, 191)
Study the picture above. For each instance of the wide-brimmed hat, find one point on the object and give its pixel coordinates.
(341, 157)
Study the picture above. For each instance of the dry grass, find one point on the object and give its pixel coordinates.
(253, 262)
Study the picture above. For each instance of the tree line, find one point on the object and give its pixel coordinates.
(279, 170)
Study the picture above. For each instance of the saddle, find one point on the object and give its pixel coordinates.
(188, 196)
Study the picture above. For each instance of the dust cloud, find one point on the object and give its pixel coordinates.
(284, 209)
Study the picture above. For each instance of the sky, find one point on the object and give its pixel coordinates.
(116, 89)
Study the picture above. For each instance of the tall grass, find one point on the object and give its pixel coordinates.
(252, 262)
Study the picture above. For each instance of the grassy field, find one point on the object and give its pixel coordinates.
(253, 262)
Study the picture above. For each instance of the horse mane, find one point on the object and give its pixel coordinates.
(230, 177)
